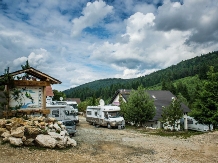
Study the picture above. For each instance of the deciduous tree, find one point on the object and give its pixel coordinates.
(172, 113)
(139, 107)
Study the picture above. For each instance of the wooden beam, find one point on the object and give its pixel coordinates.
(44, 98)
(31, 83)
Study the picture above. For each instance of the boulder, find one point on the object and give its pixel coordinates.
(32, 130)
(62, 143)
(17, 132)
(15, 141)
(2, 123)
(55, 135)
(23, 138)
(6, 135)
(51, 119)
(2, 130)
(56, 126)
(71, 142)
(8, 126)
(36, 123)
(46, 141)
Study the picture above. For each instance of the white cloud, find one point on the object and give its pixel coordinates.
(19, 61)
(93, 13)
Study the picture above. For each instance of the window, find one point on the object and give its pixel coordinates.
(55, 113)
(69, 123)
(89, 113)
(95, 113)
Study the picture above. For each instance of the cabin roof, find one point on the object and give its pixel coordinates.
(36, 73)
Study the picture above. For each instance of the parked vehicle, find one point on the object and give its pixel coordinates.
(71, 104)
(105, 115)
(62, 112)
(194, 125)
(70, 127)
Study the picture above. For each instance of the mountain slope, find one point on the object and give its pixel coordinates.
(105, 88)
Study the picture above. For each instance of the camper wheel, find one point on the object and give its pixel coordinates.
(108, 125)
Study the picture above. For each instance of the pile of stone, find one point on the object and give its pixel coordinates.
(36, 131)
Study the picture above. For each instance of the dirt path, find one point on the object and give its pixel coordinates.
(120, 146)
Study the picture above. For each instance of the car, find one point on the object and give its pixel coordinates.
(70, 127)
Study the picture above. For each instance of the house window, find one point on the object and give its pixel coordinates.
(95, 113)
(152, 125)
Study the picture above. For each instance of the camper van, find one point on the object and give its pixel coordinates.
(194, 125)
(68, 103)
(62, 112)
(105, 115)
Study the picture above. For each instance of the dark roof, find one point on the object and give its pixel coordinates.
(161, 98)
(38, 74)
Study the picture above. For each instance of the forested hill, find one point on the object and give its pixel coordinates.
(106, 88)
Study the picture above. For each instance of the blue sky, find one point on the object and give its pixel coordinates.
(79, 41)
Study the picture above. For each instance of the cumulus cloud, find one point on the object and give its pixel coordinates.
(156, 41)
(35, 59)
(198, 16)
(93, 13)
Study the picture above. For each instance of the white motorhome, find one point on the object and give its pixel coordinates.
(194, 125)
(68, 103)
(105, 115)
(62, 112)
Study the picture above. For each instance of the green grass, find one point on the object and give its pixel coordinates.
(167, 133)
(180, 134)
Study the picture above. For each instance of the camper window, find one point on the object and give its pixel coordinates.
(66, 112)
(55, 113)
(114, 114)
(89, 113)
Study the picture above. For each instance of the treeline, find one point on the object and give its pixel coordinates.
(106, 88)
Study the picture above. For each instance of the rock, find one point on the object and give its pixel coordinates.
(23, 138)
(71, 142)
(56, 126)
(46, 141)
(51, 119)
(29, 142)
(8, 126)
(2, 123)
(54, 135)
(6, 135)
(42, 123)
(63, 133)
(63, 127)
(62, 143)
(51, 125)
(18, 132)
(18, 120)
(36, 123)
(15, 141)
(32, 130)
(2, 130)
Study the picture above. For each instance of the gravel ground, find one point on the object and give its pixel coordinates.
(119, 146)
